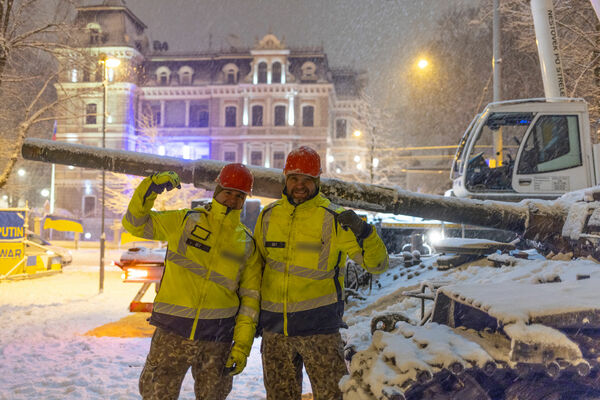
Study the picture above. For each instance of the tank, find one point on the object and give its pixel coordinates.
(479, 342)
(494, 341)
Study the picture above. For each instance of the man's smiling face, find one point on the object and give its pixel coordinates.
(300, 187)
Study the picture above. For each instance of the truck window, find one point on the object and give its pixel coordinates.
(486, 169)
(552, 145)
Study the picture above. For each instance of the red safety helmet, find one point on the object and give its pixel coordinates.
(303, 160)
(236, 176)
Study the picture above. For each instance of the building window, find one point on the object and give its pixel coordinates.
(89, 206)
(231, 78)
(95, 32)
(73, 75)
(156, 115)
(340, 129)
(185, 152)
(279, 115)
(262, 72)
(91, 111)
(86, 75)
(256, 158)
(308, 116)
(94, 36)
(229, 156)
(111, 74)
(278, 159)
(186, 78)
(163, 78)
(198, 116)
(230, 74)
(230, 116)
(257, 115)
(276, 77)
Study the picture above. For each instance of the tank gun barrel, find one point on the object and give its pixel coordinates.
(516, 217)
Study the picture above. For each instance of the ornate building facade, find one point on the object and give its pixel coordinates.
(238, 105)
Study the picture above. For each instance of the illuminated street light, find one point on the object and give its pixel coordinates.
(45, 192)
(356, 159)
(357, 133)
(21, 172)
(422, 63)
(111, 62)
(107, 63)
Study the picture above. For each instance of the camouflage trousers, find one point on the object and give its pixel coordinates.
(169, 359)
(283, 357)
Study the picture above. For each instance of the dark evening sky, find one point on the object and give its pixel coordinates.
(379, 36)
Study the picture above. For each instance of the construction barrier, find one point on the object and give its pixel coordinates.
(14, 260)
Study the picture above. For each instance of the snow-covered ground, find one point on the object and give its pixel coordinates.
(45, 352)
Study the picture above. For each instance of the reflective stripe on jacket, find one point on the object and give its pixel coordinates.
(210, 286)
(305, 254)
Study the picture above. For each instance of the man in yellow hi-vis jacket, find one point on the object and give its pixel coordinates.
(209, 292)
(304, 239)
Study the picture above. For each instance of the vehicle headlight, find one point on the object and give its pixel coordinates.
(133, 273)
(435, 237)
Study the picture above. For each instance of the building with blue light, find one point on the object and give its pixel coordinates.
(249, 105)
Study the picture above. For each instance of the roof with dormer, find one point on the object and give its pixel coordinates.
(112, 5)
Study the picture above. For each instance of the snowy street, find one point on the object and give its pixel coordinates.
(44, 350)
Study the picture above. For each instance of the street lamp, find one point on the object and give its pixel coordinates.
(107, 62)
(374, 161)
(422, 63)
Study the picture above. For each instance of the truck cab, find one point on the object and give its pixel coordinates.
(530, 148)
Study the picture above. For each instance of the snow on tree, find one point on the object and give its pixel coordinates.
(377, 138)
(439, 101)
(579, 42)
(32, 36)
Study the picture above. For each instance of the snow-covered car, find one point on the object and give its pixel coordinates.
(142, 265)
(35, 244)
(143, 254)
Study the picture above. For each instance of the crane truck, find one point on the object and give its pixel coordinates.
(530, 148)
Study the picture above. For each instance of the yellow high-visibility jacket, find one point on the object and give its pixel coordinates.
(210, 285)
(305, 254)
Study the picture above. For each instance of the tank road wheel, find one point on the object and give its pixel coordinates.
(446, 386)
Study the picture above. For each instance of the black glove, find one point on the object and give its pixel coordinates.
(349, 220)
(161, 181)
(165, 180)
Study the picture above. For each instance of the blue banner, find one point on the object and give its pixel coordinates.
(12, 225)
